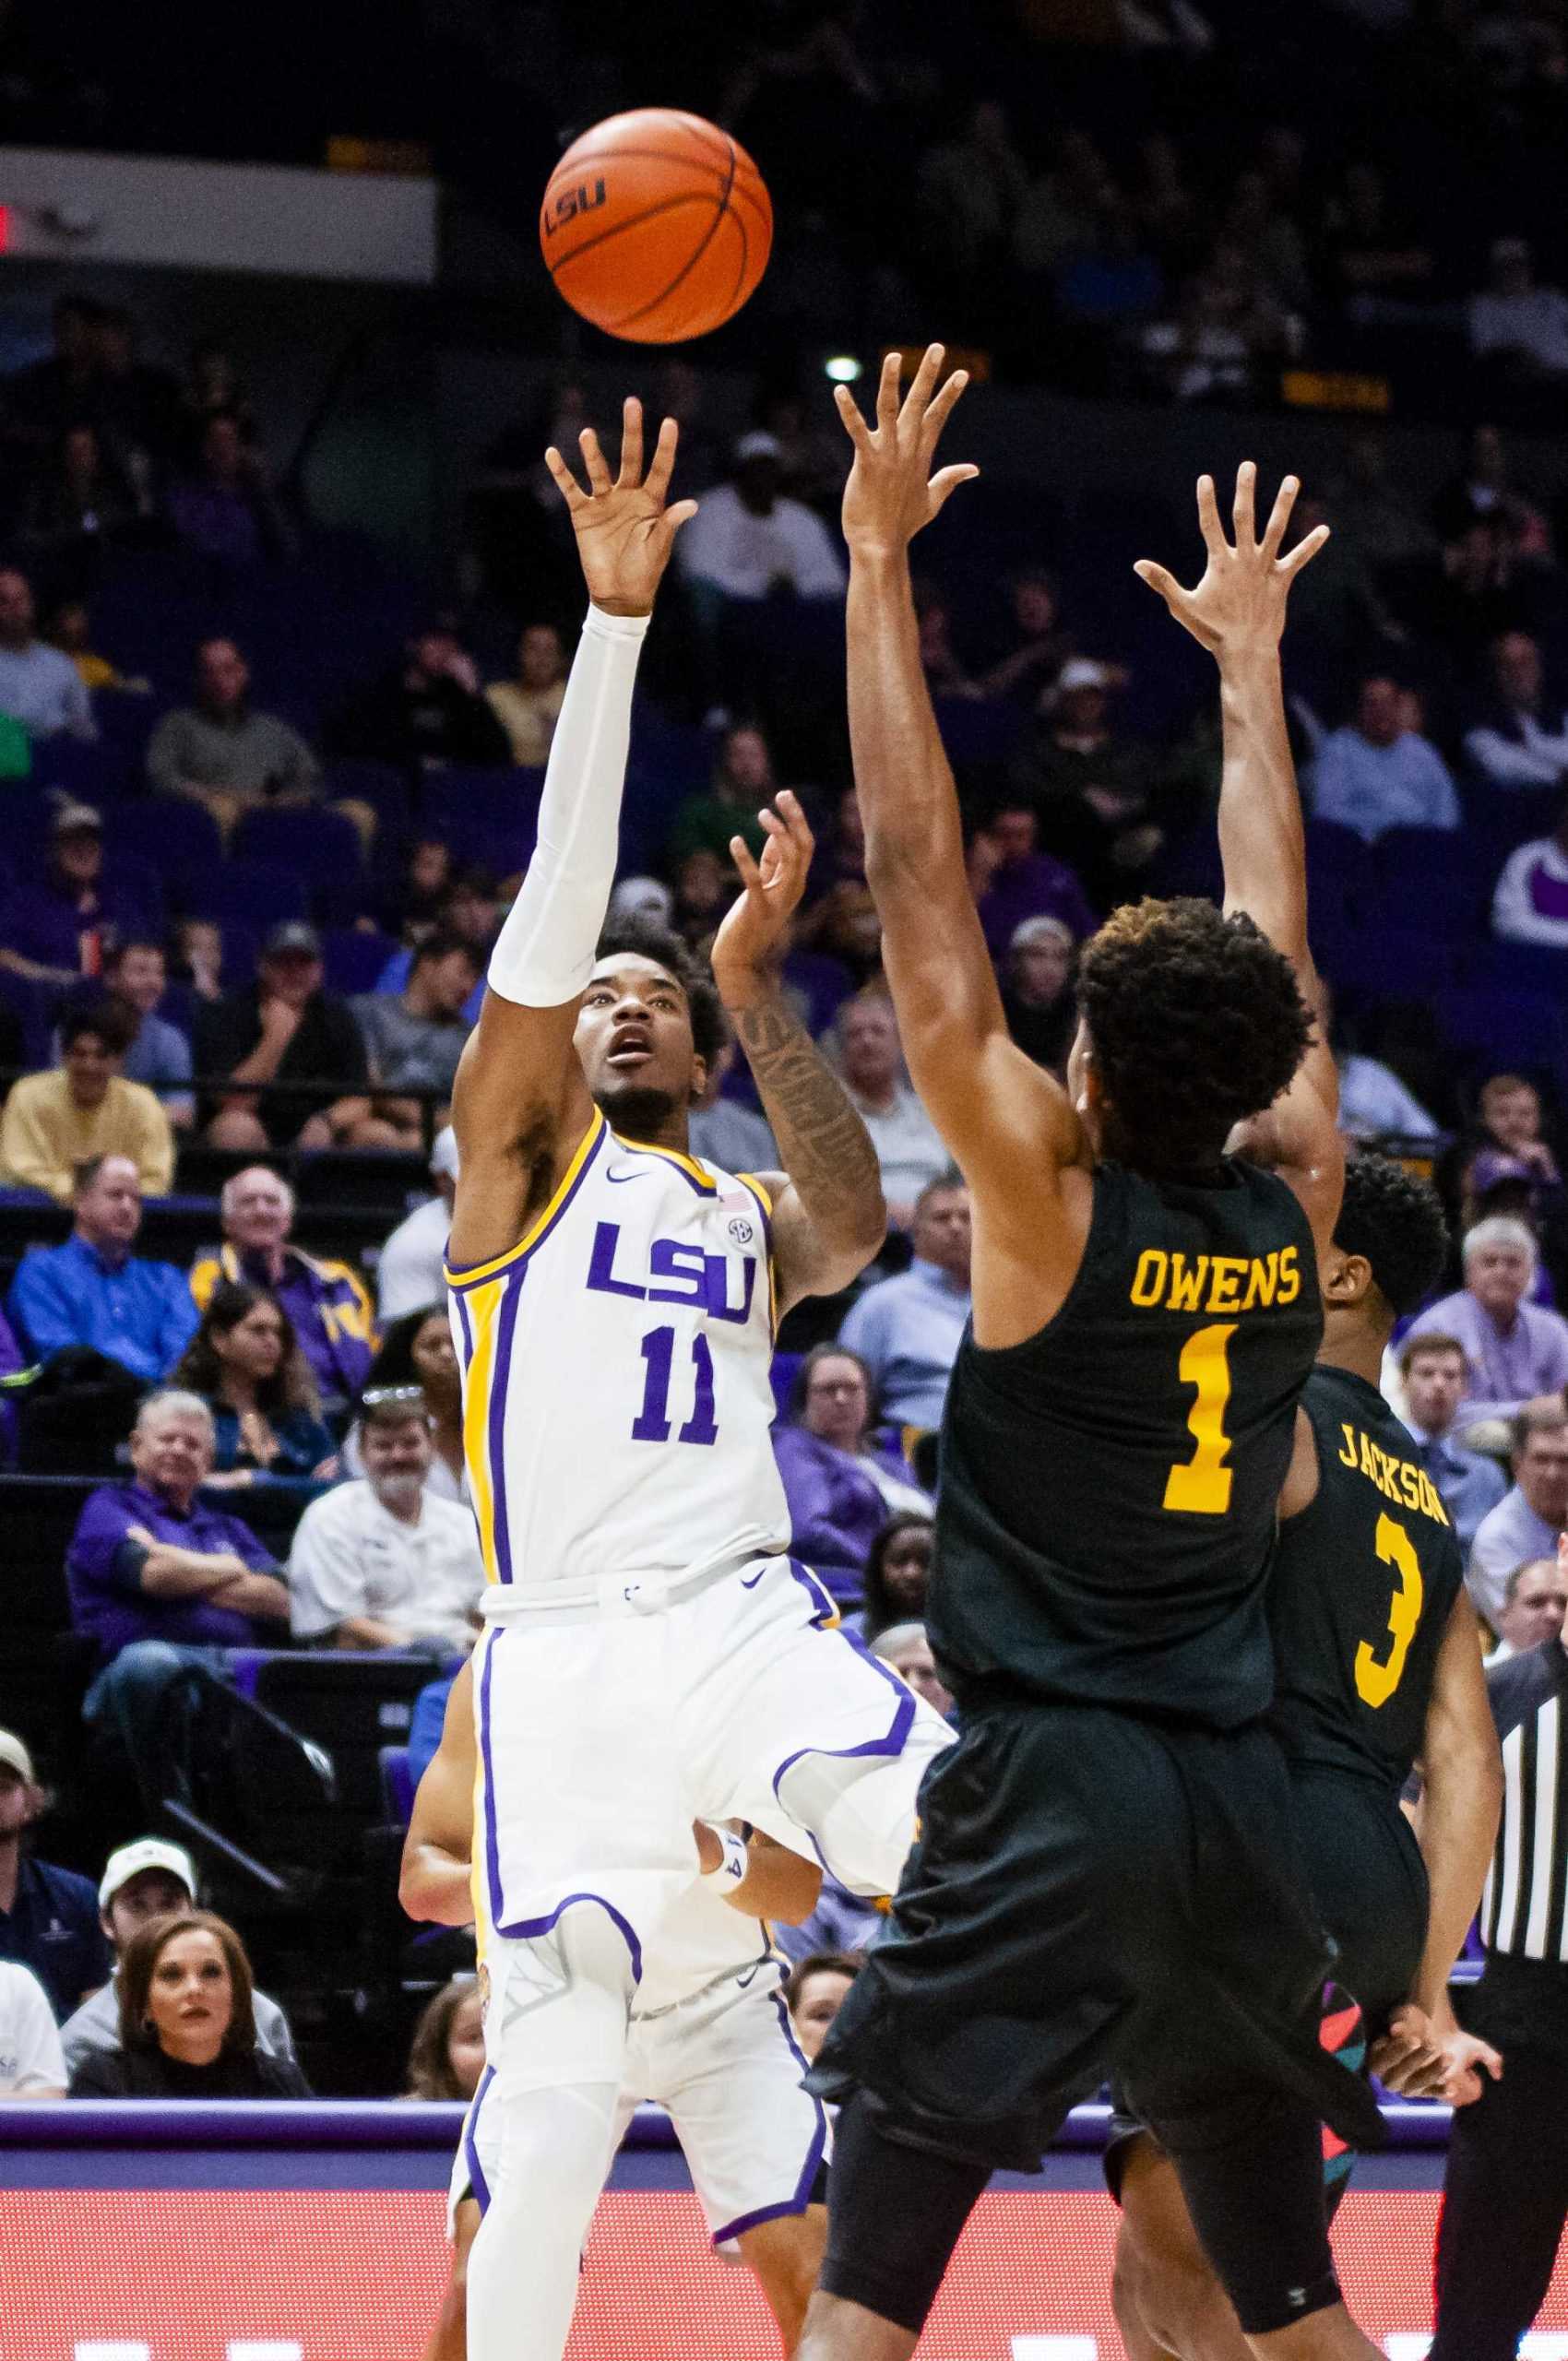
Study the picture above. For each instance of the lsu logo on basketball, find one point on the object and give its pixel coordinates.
(570, 203)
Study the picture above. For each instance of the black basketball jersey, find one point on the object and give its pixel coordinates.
(1363, 1584)
(1107, 1505)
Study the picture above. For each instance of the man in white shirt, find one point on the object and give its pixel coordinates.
(32, 2065)
(871, 1062)
(411, 1271)
(748, 540)
(381, 1563)
(1523, 741)
(1531, 904)
(1514, 317)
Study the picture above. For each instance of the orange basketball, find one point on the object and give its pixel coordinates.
(656, 226)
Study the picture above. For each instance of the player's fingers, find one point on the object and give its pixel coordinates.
(1280, 515)
(921, 387)
(1157, 579)
(1209, 524)
(741, 854)
(887, 392)
(941, 407)
(567, 483)
(854, 425)
(681, 514)
(945, 484)
(788, 803)
(599, 474)
(1241, 506)
(1491, 2060)
(1305, 551)
(663, 462)
(631, 473)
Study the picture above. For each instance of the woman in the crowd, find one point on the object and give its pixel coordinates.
(839, 1480)
(246, 1362)
(187, 2026)
(1038, 995)
(417, 1355)
(813, 1994)
(898, 1574)
(447, 2056)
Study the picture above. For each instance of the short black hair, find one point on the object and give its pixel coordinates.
(112, 1020)
(644, 938)
(1397, 1221)
(1197, 1022)
(442, 945)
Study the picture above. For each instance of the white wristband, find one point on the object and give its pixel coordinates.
(733, 1863)
(543, 954)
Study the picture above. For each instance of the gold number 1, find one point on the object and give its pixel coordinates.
(1202, 1483)
(1376, 1683)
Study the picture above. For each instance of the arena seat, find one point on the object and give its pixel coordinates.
(352, 1705)
(261, 893)
(355, 958)
(397, 1784)
(322, 847)
(181, 837)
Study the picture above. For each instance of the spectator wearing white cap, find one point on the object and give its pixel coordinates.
(413, 1269)
(1095, 789)
(150, 1879)
(1038, 994)
(32, 2064)
(748, 540)
(48, 1916)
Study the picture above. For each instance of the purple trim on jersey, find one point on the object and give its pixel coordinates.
(467, 1327)
(522, 1931)
(822, 1602)
(477, 2181)
(892, 1745)
(667, 1157)
(495, 1423)
(480, 1273)
(492, 1839)
(808, 2170)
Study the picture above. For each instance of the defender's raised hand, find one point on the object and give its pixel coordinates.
(1239, 603)
(625, 531)
(892, 492)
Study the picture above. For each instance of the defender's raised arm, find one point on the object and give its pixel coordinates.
(1237, 611)
(521, 1104)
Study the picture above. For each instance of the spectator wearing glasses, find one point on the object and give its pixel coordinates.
(841, 1483)
(418, 1363)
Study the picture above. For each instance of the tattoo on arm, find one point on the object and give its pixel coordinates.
(823, 1143)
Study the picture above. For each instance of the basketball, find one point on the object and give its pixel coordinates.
(656, 226)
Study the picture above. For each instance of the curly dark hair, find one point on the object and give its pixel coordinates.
(1397, 1221)
(646, 939)
(1196, 1021)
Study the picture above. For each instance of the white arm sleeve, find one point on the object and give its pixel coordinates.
(543, 955)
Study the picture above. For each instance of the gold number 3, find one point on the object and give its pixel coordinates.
(1376, 1683)
(1202, 1483)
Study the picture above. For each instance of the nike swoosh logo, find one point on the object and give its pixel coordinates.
(637, 1172)
(751, 1975)
(750, 1582)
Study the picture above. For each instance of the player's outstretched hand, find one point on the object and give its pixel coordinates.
(892, 492)
(624, 529)
(753, 935)
(1239, 603)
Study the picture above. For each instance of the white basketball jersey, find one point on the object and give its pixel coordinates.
(616, 1391)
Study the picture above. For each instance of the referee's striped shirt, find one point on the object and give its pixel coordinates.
(1525, 1905)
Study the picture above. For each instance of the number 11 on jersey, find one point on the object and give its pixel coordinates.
(652, 1421)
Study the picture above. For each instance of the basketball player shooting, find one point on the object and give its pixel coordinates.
(1106, 1876)
(653, 1657)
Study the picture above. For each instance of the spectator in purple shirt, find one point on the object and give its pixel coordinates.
(1518, 1351)
(839, 1481)
(165, 1587)
(62, 925)
(1013, 880)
